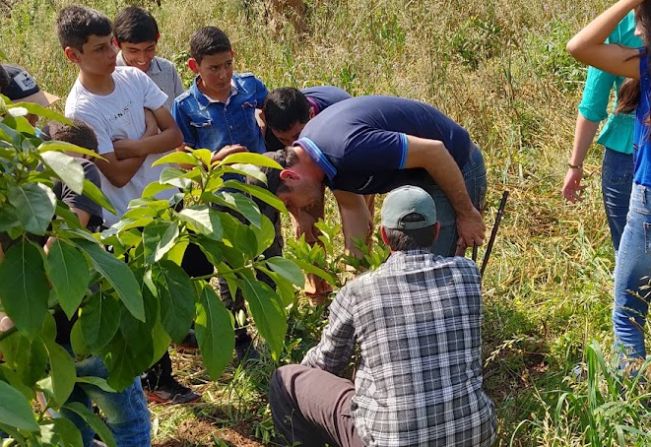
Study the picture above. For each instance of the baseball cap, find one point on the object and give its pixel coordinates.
(23, 87)
(408, 208)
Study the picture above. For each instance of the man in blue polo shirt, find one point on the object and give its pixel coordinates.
(373, 144)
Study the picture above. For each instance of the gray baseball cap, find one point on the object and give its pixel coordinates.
(408, 208)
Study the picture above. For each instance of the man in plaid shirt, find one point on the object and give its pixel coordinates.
(417, 321)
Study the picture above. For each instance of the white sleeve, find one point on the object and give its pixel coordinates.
(154, 97)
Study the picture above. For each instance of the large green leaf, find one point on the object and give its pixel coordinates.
(68, 272)
(313, 269)
(179, 296)
(203, 220)
(239, 203)
(179, 158)
(69, 169)
(154, 188)
(62, 371)
(61, 432)
(257, 191)
(99, 320)
(265, 234)
(119, 361)
(94, 421)
(24, 288)
(15, 410)
(159, 238)
(175, 177)
(34, 205)
(96, 195)
(287, 269)
(215, 334)
(118, 274)
(251, 158)
(266, 310)
(239, 236)
(61, 146)
(44, 112)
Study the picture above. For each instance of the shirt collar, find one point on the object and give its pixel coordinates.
(203, 100)
(154, 66)
(314, 106)
(318, 156)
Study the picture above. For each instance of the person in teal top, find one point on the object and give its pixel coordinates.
(616, 136)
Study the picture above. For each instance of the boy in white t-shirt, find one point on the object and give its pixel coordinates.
(112, 100)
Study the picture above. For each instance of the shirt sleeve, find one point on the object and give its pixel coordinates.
(376, 150)
(596, 95)
(104, 141)
(333, 352)
(261, 92)
(183, 122)
(178, 85)
(154, 97)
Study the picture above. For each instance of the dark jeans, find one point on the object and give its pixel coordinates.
(616, 182)
(312, 407)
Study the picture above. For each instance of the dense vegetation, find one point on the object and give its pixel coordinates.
(499, 68)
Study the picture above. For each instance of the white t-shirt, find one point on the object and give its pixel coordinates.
(120, 115)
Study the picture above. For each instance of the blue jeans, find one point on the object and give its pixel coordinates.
(616, 182)
(125, 412)
(632, 270)
(474, 175)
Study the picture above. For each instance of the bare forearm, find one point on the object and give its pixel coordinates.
(355, 218)
(165, 141)
(584, 134)
(119, 172)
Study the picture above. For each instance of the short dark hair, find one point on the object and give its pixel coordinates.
(207, 41)
(79, 134)
(286, 158)
(285, 107)
(403, 240)
(135, 25)
(75, 24)
(5, 80)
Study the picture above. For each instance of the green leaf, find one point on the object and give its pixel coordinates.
(239, 203)
(215, 334)
(44, 112)
(179, 158)
(62, 371)
(154, 188)
(202, 220)
(180, 297)
(100, 383)
(15, 410)
(61, 146)
(251, 158)
(258, 192)
(159, 238)
(24, 288)
(287, 269)
(69, 169)
(265, 235)
(96, 195)
(77, 340)
(34, 205)
(118, 274)
(309, 268)
(268, 314)
(68, 434)
(69, 274)
(205, 155)
(94, 421)
(247, 171)
(99, 320)
(175, 177)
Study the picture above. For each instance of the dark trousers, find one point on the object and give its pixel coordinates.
(312, 407)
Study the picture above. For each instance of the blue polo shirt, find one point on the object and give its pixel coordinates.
(210, 124)
(322, 97)
(361, 143)
(641, 130)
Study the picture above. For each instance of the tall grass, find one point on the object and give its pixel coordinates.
(499, 68)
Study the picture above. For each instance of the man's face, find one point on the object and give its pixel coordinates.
(216, 71)
(289, 136)
(97, 56)
(303, 192)
(138, 55)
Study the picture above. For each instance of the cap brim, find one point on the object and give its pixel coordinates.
(42, 98)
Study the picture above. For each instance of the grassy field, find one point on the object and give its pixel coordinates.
(499, 68)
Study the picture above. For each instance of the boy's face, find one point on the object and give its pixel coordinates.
(287, 137)
(138, 55)
(97, 56)
(216, 71)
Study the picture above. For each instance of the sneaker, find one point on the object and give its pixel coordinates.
(171, 393)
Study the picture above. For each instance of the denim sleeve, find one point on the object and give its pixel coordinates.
(184, 124)
(260, 92)
(596, 95)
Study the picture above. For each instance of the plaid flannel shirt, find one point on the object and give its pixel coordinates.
(417, 320)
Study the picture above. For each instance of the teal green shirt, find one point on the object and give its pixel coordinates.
(617, 133)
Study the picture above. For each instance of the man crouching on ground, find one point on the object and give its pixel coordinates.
(417, 321)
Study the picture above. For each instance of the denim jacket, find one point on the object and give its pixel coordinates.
(213, 125)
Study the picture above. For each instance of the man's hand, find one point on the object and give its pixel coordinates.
(316, 289)
(151, 125)
(572, 188)
(126, 148)
(226, 151)
(471, 229)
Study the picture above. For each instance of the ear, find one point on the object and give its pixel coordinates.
(71, 54)
(312, 113)
(437, 231)
(193, 65)
(116, 43)
(383, 233)
(289, 174)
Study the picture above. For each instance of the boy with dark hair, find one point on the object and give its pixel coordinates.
(18, 85)
(113, 101)
(136, 34)
(287, 110)
(219, 111)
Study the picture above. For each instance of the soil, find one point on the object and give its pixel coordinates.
(201, 433)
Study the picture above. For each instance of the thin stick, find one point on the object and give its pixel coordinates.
(496, 226)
